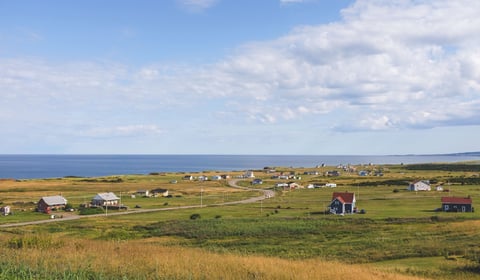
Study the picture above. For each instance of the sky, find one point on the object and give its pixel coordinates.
(307, 77)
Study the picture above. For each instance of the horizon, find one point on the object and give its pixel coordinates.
(272, 77)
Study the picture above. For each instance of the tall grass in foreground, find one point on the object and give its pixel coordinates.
(45, 258)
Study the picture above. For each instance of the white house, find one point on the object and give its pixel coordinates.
(419, 186)
(249, 174)
(105, 199)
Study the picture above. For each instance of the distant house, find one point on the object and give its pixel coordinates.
(257, 182)
(439, 188)
(202, 178)
(419, 186)
(48, 203)
(216, 177)
(105, 199)
(188, 177)
(225, 176)
(281, 185)
(330, 185)
(343, 203)
(293, 185)
(249, 174)
(457, 204)
(310, 173)
(363, 173)
(5, 210)
(332, 173)
(143, 193)
(159, 192)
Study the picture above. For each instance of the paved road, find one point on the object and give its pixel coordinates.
(231, 183)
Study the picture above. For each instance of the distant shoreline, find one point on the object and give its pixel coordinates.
(59, 166)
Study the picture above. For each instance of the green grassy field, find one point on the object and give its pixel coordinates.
(400, 232)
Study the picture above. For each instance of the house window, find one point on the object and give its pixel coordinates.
(464, 209)
(446, 207)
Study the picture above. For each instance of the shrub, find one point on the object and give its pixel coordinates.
(194, 216)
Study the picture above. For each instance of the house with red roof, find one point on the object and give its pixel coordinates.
(457, 204)
(343, 203)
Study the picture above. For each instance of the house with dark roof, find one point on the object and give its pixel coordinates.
(457, 204)
(343, 203)
(48, 203)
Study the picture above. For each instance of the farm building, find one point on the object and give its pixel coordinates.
(5, 210)
(457, 204)
(343, 203)
(159, 192)
(419, 186)
(248, 174)
(48, 203)
(105, 199)
(143, 193)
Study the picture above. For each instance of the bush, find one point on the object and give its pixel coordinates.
(194, 216)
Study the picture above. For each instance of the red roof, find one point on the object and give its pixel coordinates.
(456, 200)
(345, 196)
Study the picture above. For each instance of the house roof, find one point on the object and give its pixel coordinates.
(106, 196)
(159, 190)
(456, 200)
(345, 196)
(54, 200)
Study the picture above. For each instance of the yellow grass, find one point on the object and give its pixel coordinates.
(148, 259)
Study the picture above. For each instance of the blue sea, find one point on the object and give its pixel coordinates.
(57, 166)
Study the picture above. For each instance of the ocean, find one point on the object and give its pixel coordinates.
(57, 166)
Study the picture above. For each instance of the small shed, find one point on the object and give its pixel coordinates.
(48, 203)
(457, 204)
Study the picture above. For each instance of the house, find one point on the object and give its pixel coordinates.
(202, 178)
(159, 192)
(332, 173)
(330, 185)
(310, 173)
(216, 178)
(419, 186)
(225, 176)
(105, 199)
(5, 210)
(257, 182)
(457, 204)
(143, 193)
(343, 203)
(439, 188)
(363, 173)
(48, 203)
(293, 185)
(188, 177)
(249, 174)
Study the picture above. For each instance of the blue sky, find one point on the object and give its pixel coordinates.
(239, 77)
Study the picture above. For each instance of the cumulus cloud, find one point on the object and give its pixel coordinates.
(386, 65)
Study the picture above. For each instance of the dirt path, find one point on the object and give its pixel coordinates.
(231, 183)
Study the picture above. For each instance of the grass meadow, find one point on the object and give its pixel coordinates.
(289, 236)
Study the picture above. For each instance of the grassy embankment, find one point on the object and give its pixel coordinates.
(286, 237)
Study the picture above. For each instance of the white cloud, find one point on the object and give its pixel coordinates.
(122, 131)
(197, 5)
(387, 65)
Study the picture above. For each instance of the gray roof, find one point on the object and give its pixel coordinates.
(106, 197)
(54, 200)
